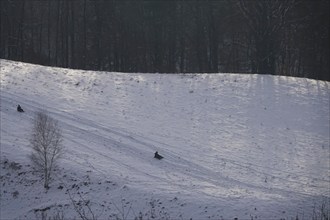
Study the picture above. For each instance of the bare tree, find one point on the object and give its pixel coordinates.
(46, 141)
(265, 20)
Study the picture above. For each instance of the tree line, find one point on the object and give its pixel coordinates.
(278, 37)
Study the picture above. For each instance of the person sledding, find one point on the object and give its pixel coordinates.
(157, 156)
(19, 108)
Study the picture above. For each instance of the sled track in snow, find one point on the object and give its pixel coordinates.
(107, 137)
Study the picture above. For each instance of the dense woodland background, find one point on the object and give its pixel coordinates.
(279, 37)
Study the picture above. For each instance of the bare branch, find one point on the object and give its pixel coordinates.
(46, 141)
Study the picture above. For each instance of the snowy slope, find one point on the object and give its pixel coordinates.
(234, 146)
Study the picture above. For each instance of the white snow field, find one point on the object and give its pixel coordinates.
(234, 145)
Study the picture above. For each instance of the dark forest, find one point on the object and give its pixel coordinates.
(277, 37)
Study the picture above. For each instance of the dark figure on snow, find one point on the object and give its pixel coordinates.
(19, 109)
(158, 156)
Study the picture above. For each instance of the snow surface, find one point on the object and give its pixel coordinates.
(234, 145)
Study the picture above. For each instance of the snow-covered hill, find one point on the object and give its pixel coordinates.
(234, 146)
